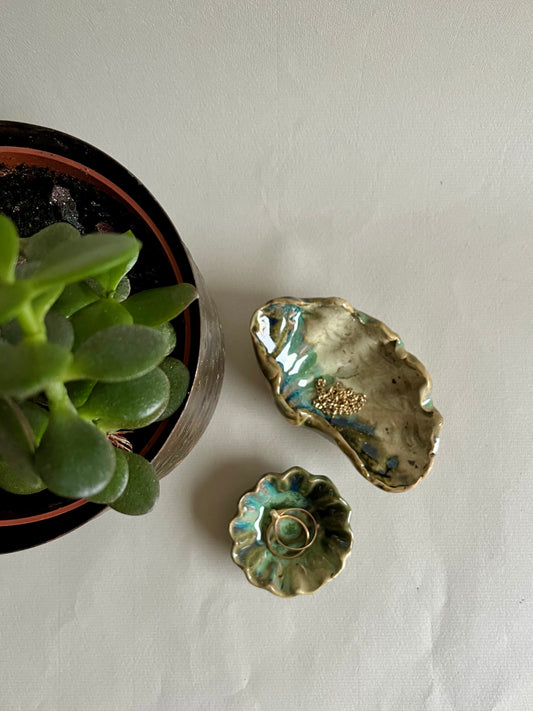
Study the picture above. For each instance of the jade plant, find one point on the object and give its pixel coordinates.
(82, 363)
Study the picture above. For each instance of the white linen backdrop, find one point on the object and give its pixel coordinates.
(375, 150)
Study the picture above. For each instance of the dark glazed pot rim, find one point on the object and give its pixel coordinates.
(37, 146)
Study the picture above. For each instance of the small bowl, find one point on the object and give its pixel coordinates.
(292, 533)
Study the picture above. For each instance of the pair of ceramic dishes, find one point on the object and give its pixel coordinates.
(349, 376)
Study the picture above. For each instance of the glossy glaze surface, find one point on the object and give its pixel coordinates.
(349, 375)
(314, 559)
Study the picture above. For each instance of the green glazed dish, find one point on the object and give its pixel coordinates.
(292, 533)
(349, 376)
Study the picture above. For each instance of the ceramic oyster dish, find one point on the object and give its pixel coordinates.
(348, 375)
(292, 533)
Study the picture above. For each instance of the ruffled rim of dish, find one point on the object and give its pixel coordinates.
(313, 479)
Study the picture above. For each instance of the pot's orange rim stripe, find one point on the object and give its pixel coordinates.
(79, 167)
(42, 517)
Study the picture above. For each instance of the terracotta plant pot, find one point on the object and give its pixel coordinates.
(47, 176)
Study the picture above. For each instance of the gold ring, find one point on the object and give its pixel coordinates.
(274, 532)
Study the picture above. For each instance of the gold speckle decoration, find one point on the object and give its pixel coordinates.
(338, 399)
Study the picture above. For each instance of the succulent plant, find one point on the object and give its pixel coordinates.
(82, 360)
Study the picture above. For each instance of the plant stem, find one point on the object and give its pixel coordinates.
(58, 399)
(33, 328)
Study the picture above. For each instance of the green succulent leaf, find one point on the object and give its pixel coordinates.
(178, 378)
(110, 279)
(59, 330)
(79, 391)
(44, 302)
(96, 317)
(96, 287)
(123, 289)
(74, 297)
(17, 443)
(156, 306)
(37, 418)
(12, 482)
(117, 484)
(119, 353)
(38, 246)
(141, 490)
(27, 368)
(13, 297)
(74, 458)
(24, 270)
(9, 249)
(130, 404)
(169, 334)
(75, 260)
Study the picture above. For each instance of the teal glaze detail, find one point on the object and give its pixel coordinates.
(392, 440)
(320, 562)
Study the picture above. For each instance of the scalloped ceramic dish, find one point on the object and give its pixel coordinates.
(349, 376)
(292, 533)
